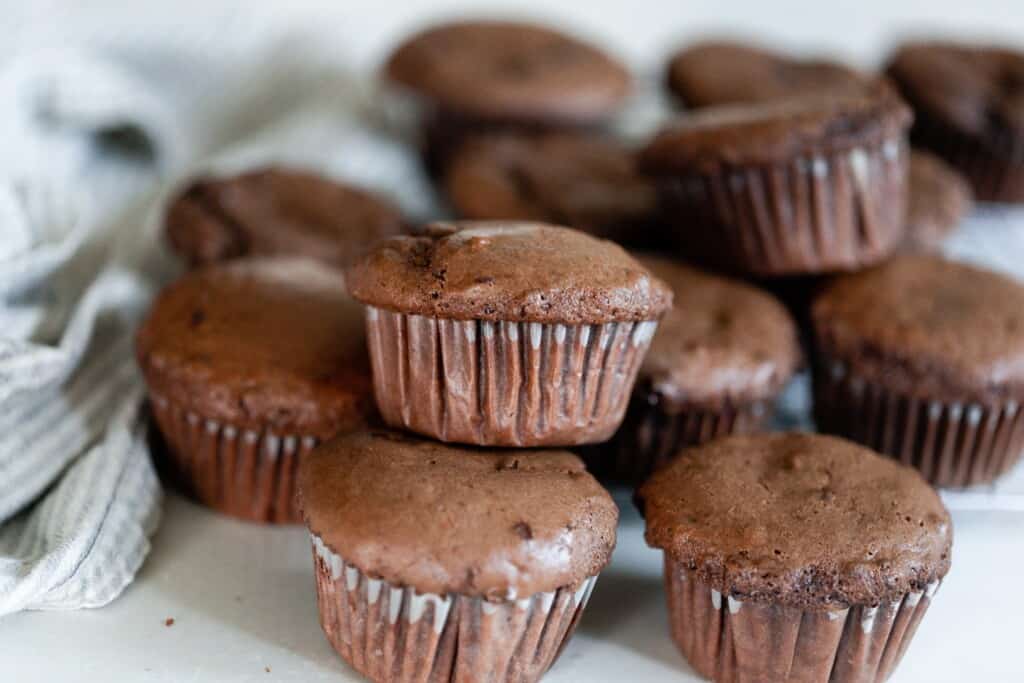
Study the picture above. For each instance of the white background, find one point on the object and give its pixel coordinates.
(241, 596)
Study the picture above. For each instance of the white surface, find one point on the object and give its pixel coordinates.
(242, 600)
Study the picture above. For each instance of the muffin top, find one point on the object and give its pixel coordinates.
(927, 326)
(500, 524)
(261, 343)
(722, 341)
(509, 70)
(806, 520)
(276, 212)
(724, 72)
(511, 271)
(582, 181)
(939, 200)
(778, 130)
(976, 89)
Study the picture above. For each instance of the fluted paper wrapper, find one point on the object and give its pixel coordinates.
(504, 383)
(995, 168)
(393, 634)
(952, 444)
(239, 472)
(813, 214)
(731, 641)
(651, 435)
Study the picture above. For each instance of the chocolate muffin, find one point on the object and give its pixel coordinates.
(939, 200)
(276, 212)
(437, 563)
(968, 103)
(718, 72)
(923, 359)
(472, 76)
(505, 333)
(583, 181)
(801, 185)
(249, 365)
(719, 360)
(795, 557)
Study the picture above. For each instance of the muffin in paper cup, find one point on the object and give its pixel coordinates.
(510, 334)
(921, 360)
(276, 211)
(249, 365)
(795, 557)
(800, 185)
(716, 366)
(588, 182)
(469, 77)
(965, 100)
(435, 563)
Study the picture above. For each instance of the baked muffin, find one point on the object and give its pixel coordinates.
(437, 563)
(720, 359)
(276, 212)
(586, 182)
(801, 185)
(939, 200)
(473, 76)
(923, 359)
(718, 72)
(795, 557)
(250, 364)
(968, 103)
(504, 333)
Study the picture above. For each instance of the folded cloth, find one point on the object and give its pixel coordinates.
(98, 149)
(78, 494)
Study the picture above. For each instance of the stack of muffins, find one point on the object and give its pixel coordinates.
(407, 391)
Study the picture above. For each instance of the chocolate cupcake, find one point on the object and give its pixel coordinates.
(795, 557)
(249, 365)
(473, 76)
(719, 360)
(967, 107)
(504, 333)
(276, 212)
(939, 200)
(923, 359)
(801, 185)
(436, 563)
(582, 181)
(721, 72)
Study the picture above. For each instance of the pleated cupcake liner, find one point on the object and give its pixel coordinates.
(994, 168)
(951, 443)
(393, 634)
(240, 472)
(733, 641)
(504, 383)
(651, 436)
(812, 214)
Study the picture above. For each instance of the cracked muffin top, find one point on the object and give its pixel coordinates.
(499, 524)
(806, 520)
(277, 212)
(509, 271)
(263, 344)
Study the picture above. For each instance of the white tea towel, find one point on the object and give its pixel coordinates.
(70, 430)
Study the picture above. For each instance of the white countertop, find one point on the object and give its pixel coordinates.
(242, 600)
